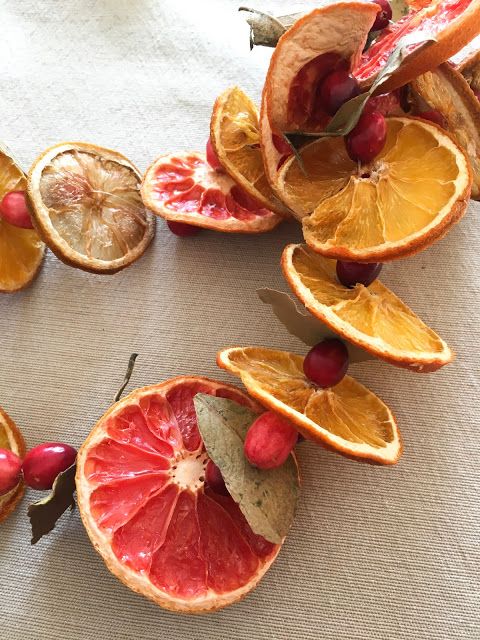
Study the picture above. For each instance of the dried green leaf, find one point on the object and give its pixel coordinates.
(45, 513)
(265, 29)
(303, 325)
(349, 113)
(267, 498)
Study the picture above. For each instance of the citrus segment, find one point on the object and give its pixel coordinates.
(21, 250)
(452, 23)
(87, 207)
(12, 440)
(347, 418)
(235, 135)
(371, 317)
(141, 494)
(400, 203)
(184, 188)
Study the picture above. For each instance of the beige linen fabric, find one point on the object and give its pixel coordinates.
(375, 553)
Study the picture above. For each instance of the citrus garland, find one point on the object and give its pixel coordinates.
(188, 488)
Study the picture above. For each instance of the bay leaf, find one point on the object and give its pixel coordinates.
(303, 325)
(265, 29)
(45, 513)
(266, 497)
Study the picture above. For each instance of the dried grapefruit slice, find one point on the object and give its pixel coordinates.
(235, 135)
(141, 494)
(347, 418)
(402, 202)
(326, 38)
(12, 439)
(87, 207)
(21, 250)
(371, 317)
(453, 23)
(184, 188)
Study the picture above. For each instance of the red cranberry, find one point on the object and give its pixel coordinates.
(14, 210)
(368, 138)
(433, 116)
(281, 145)
(269, 441)
(384, 15)
(10, 471)
(214, 479)
(336, 89)
(326, 363)
(212, 157)
(42, 464)
(182, 229)
(352, 273)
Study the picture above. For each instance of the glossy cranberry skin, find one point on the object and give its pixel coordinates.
(42, 464)
(326, 363)
(14, 210)
(336, 89)
(433, 116)
(352, 273)
(182, 229)
(212, 157)
(368, 138)
(214, 479)
(269, 441)
(10, 471)
(383, 16)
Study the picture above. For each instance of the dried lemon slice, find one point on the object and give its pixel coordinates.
(87, 207)
(347, 418)
(11, 439)
(400, 203)
(371, 317)
(21, 250)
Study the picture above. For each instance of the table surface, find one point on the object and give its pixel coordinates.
(375, 552)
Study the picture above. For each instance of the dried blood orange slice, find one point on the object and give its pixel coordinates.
(184, 188)
(453, 24)
(347, 418)
(327, 38)
(21, 250)
(11, 439)
(141, 494)
(87, 207)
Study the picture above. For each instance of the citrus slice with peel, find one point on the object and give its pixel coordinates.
(371, 317)
(184, 188)
(11, 439)
(21, 250)
(446, 91)
(404, 200)
(235, 135)
(346, 418)
(452, 23)
(143, 501)
(87, 207)
(327, 38)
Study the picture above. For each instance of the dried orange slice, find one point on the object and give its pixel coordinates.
(142, 498)
(347, 418)
(21, 250)
(326, 38)
(11, 439)
(371, 317)
(87, 207)
(453, 24)
(402, 202)
(235, 135)
(184, 188)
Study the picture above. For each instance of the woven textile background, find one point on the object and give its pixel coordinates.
(375, 553)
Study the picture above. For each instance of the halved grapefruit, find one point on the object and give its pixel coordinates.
(11, 439)
(183, 187)
(142, 498)
(453, 24)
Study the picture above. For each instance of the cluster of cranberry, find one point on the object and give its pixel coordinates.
(39, 468)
